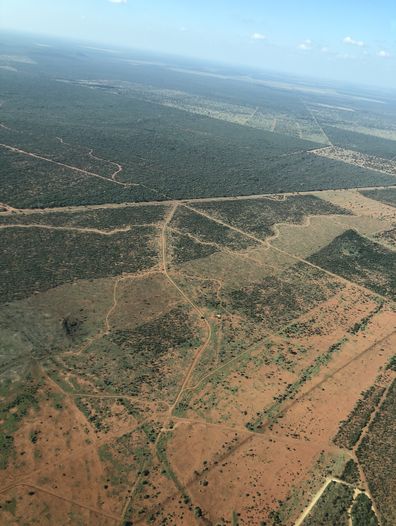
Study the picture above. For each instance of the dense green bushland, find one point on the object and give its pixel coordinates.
(187, 220)
(37, 259)
(259, 215)
(358, 259)
(385, 195)
(361, 142)
(331, 509)
(101, 218)
(376, 455)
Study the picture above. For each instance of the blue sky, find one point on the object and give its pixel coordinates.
(346, 40)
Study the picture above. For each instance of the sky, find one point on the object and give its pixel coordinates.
(346, 40)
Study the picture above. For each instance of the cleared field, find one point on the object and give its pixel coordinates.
(360, 205)
(244, 267)
(305, 239)
(44, 508)
(143, 300)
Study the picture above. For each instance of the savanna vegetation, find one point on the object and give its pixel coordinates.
(361, 142)
(277, 300)
(376, 456)
(147, 361)
(351, 429)
(259, 215)
(37, 259)
(332, 506)
(104, 367)
(385, 195)
(360, 260)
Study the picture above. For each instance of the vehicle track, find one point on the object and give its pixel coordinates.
(265, 428)
(313, 116)
(317, 496)
(61, 497)
(118, 166)
(181, 201)
(200, 313)
(196, 358)
(297, 258)
(175, 203)
(74, 168)
(82, 230)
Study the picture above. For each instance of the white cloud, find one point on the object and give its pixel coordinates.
(258, 36)
(383, 54)
(352, 42)
(118, 1)
(183, 29)
(306, 45)
(324, 49)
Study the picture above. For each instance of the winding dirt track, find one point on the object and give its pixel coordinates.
(163, 240)
(119, 168)
(197, 355)
(74, 168)
(82, 230)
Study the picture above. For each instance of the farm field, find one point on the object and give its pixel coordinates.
(197, 311)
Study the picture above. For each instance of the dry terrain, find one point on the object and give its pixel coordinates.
(201, 357)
